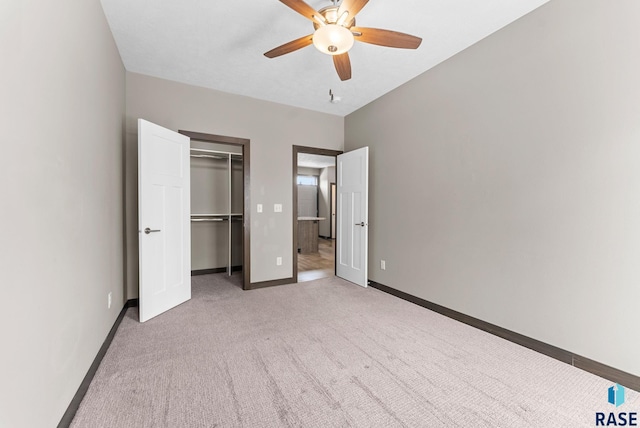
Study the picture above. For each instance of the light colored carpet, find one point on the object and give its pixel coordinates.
(327, 353)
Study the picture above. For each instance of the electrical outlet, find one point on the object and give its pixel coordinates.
(109, 300)
(279, 261)
(277, 208)
(383, 264)
(259, 207)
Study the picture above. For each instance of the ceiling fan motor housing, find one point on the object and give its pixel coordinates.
(330, 14)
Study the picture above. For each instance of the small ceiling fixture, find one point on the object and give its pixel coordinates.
(335, 33)
(334, 99)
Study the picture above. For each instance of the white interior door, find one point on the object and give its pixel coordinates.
(353, 215)
(164, 219)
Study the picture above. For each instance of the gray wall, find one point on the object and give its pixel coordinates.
(505, 183)
(302, 170)
(61, 225)
(308, 195)
(272, 128)
(307, 201)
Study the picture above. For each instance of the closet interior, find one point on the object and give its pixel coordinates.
(217, 196)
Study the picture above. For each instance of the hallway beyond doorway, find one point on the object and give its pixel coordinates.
(317, 265)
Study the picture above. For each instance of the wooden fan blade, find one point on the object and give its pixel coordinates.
(388, 38)
(290, 47)
(343, 66)
(303, 9)
(351, 6)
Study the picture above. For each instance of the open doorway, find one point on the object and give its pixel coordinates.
(220, 241)
(314, 213)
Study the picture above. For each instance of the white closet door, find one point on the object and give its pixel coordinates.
(163, 219)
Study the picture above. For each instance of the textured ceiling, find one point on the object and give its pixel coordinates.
(220, 45)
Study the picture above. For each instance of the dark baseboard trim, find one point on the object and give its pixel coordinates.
(68, 416)
(607, 372)
(214, 270)
(263, 284)
(594, 367)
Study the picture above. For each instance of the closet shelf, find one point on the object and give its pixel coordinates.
(209, 157)
(217, 215)
(218, 152)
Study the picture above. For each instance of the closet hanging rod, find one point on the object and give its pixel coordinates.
(214, 151)
(207, 219)
(208, 156)
(210, 215)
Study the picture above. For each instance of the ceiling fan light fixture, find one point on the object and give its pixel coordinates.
(336, 31)
(333, 39)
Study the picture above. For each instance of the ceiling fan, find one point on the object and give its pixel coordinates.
(335, 33)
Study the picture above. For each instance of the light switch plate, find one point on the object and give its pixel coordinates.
(259, 208)
(277, 208)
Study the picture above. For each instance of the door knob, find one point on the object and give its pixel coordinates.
(148, 231)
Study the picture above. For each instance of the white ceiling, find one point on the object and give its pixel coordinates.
(220, 45)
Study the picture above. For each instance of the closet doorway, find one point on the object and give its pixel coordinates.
(220, 238)
(314, 209)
